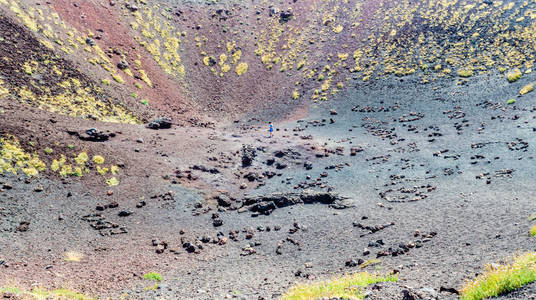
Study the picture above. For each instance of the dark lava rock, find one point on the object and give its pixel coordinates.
(122, 65)
(288, 199)
(203, 168)
(92, 135)
(224, 200)
(124, 213)
(263, 207)
(248, 155)
(160, 123)
(90, 42)
(285, 16)
(308, 165)
(251, 176)
(217, 222)
(354, 263)
(131, 7)
(23, 226)
(280, 166)
(190, 248)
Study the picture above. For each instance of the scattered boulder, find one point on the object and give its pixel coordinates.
(160, 123)
(224, 200)
(92, 135)
(122, 65)
(131, 7)
(90, 42)
(285, 16)
(125, 213)
(248, 155)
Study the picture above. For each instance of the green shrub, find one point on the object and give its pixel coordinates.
(498, 280)
(153, 276)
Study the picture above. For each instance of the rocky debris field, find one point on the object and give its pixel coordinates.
(380, 189)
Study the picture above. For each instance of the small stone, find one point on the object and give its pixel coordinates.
(125, 213)
(217, 222)
(23, 226)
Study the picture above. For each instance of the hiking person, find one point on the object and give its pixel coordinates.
(271, 129)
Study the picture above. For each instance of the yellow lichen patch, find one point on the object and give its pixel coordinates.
(465, 73)
(14, 159)
(225, 68)
(145, 78)
(114, 169)
(102, 170)
(98, 159)
(82, 158)
(514, 75)
(338, 29)
(527, 89)
(112, 181)
(73, 256)
(241, 68)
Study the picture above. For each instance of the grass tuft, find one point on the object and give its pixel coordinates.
(347, 286)
(153, 276)
(502, 279)
(533, 230)
(527, 89)
(514, 75)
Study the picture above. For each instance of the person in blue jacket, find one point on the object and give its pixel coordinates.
(271, 129)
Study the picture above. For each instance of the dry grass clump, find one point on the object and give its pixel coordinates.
(514, 75)
(347, 286)
(498, 280)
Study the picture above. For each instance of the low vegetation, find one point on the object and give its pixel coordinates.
(514, 75)
(42, 293)
(501, 279)
(347, 286)
(153, 276)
